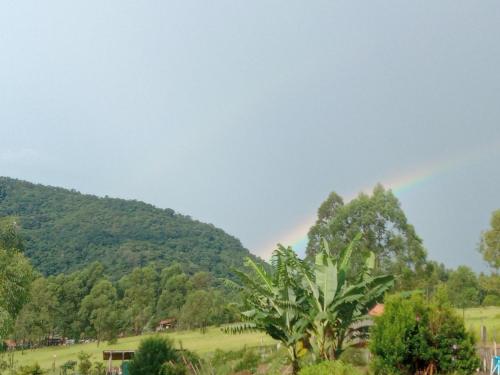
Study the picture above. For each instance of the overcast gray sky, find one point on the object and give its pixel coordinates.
(246, 114)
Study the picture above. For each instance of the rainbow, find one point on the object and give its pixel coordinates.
(399, 184)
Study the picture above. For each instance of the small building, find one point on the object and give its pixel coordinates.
(377, 310)
(117, 355)
(55, 341)
(166, 324)
(10, 344)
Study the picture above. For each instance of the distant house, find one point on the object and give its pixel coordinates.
(166, 324)
(377, 310)
(55, 341)
(10, 344)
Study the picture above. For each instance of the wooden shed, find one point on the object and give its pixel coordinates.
(117, 355)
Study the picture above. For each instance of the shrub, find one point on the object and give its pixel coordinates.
(99, 369)
(69, 365)
(330, 368)
(246, 359)
(152, 353)
(30, 370)
(170, 368)
(84, 366)
(249, 361)
(413, 336)
(355, 356)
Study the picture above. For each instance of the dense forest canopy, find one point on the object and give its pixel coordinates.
(64, 230)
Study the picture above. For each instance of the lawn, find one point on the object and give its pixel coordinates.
(192, 340)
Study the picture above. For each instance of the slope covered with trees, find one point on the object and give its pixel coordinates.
(64, 230)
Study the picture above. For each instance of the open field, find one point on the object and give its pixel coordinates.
(487, 316)
(215, 339)
(193, 340)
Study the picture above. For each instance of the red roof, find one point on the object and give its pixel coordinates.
(168, 321)
(377, 310)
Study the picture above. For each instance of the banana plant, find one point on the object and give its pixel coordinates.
(336, 307)
(308, 306)
(275, 302)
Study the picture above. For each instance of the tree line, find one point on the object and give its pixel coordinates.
(399, 251)
(88, 305)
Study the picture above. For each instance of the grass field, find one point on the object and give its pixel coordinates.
(214, 339)
(193, 340)
(487, 316)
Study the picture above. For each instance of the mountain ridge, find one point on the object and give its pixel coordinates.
(64, 230)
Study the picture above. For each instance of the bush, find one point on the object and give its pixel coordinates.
(152, 354)
(30, 370)
(69, 365)
(249, 361)
(413, 336)
(170, 368)
(84, 366)
(355, 356)
(330, 368)
(246, 359)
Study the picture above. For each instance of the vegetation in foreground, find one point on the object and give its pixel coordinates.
(228, 351)
(413, 336)
(311, 307)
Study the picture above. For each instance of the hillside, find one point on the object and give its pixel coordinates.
(65, 230)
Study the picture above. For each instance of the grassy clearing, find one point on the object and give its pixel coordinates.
(214, 339)
(487, 316)
(193, 340)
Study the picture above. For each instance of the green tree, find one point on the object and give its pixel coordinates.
(414, 337)
(386, 233)
(100, 310)
(201, 280)
(463, 288)
(173, 295)
(70, 290)
(313, 306)
(36, 319)
(490, 284)
(16, 276)
(141, 289)
(490, 242)
(202, 308)
(152, 353)
(329, 209)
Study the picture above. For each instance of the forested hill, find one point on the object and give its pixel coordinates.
(64, 230)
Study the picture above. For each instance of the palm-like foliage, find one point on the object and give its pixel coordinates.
(307, 305)
(337, 308)
(276, 301)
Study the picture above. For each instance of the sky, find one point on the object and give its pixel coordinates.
(246, 114)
